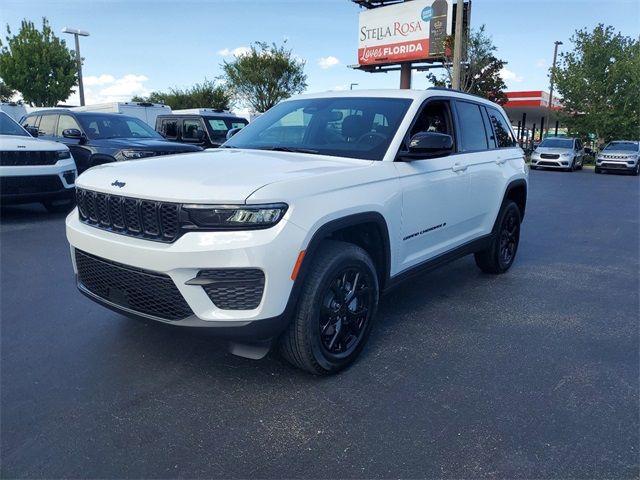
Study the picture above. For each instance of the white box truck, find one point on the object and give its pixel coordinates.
(14, 110)
(147, 112)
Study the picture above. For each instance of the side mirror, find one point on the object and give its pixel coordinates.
(72, 133)
(33, 131)
(428, 145)
(232, 132)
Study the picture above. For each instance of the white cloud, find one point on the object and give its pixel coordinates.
(236, 52)
(107, 88)
(510, 77)
(328, 62)
(541, 63)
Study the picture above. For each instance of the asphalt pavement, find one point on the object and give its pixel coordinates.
(534, 373)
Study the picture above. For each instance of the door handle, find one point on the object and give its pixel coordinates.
(458, 167)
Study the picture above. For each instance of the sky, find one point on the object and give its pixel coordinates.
(137, 46)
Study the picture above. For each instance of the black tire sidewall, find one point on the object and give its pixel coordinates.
(508, 208)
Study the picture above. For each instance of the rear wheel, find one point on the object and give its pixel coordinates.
(334, 315)
(499, 256)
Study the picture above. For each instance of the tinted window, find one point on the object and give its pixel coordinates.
(47, 125)
(501, 128)
(487, 125)
(65, 122)
(219, 126)
(192, 130)
(622, 146)
(556, 143)
(9, 127)
(115, 126)
(169, 128)
(339, 126)
(471, 131)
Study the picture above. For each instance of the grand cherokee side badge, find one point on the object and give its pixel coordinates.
(118, 184)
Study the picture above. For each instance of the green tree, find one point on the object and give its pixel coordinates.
(599, 84)
(5, 92)
(202, 95)
(481, 69)
(38, 65)
(264, 76)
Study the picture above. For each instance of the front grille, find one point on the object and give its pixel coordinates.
(30, 184)
(142, 291)
(24, 158)
(550, 156)
(614, 165)
(234, 289)
(548, 164)
(133, 217)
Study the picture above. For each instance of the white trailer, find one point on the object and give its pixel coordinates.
(14, 110)
(147, 112)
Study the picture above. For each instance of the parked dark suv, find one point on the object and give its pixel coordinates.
(97, 138)
(208, 130)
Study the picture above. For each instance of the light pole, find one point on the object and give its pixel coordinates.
(78, 33)
(352, 85)
(457, 46)
(553, 72)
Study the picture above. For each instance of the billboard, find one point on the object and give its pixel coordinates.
(404, 32)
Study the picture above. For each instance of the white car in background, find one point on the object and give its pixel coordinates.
(620, 156)
(33, 170)
(559, 153)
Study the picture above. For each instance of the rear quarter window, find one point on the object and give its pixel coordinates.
(503, 134)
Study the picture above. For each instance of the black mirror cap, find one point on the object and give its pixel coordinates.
(72, 133)
(232, 132)
(33, 131)
(425, 145)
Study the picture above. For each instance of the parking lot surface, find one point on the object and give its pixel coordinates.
(530, 374)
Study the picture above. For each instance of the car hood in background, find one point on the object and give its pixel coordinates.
(151, 144)
(10, 143)
(558, 151)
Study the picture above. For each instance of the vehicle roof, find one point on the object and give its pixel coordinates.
(396, 93)
(77, 113)
(204, 115)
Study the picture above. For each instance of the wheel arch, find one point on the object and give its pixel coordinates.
(517, 192)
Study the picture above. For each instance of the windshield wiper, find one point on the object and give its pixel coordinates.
(289, 149)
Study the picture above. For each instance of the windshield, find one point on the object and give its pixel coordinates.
(9, 127)
(219, 126)
(351, 127)
(622, 146)
(115, 126)
(556, 143)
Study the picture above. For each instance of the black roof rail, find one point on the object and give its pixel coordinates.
(446, 89)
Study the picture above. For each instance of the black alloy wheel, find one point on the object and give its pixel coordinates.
(509, 237)
(501, 252)
(345, 311)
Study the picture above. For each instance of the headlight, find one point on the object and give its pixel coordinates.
(133, 154)
(62, 154)
(568, 154)
(234, 217)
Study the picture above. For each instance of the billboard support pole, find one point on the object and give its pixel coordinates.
(457, 46)
(405, 76)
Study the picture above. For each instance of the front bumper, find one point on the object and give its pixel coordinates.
(273, 251)
(560, 163)
(38, 183)
(620, 165)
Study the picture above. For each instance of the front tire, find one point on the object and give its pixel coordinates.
(499, 256)
(335, 312)
(636, 171)
(598, 170)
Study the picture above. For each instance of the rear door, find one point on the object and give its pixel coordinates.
(47, 126)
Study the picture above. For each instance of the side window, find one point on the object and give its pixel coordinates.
(471, 127)
(169, 128)
(65, 122)
(47, 125)
(491, 138)
(434, 117)
(501, 128)
(190, 129)
(136, 130)
(32, 121)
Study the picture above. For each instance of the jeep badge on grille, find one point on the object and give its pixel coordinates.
(118, 184)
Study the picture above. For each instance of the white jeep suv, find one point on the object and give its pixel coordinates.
(289, 233)
(33, 170)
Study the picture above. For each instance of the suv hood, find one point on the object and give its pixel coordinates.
(10, 143)
(151, 144)
(624, 153)
(213, 176)
(554, 150)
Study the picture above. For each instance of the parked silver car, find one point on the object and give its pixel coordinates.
(560, 153)
(619, 156)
